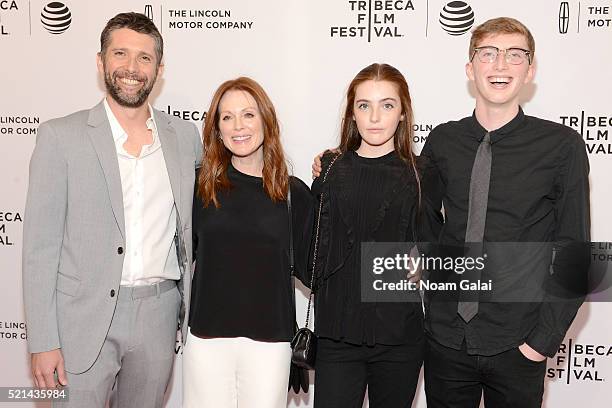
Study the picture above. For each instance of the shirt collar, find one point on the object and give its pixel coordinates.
(119, 134)
(496, 135)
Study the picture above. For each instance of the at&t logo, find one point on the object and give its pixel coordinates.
(56, 17)
(456, 18)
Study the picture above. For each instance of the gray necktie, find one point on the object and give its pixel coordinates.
(477, 216)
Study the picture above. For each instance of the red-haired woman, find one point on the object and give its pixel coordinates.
(241, 319)
(372, 193)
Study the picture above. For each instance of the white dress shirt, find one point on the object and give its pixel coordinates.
(148, 207)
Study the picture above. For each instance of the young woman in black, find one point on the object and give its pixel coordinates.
(371, 194)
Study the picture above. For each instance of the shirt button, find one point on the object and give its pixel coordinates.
(120, 250)
(112, 293)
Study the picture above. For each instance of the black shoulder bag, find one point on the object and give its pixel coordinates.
(304, 343)
(298, 376)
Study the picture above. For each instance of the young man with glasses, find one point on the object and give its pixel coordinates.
(501, 176)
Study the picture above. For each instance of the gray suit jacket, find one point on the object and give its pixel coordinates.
(74, 229)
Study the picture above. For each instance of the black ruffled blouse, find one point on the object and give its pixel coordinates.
(364, 200)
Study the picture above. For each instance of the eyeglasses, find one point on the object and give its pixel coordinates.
(514, 56)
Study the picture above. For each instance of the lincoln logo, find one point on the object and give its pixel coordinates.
(563, 17)
(148, 11)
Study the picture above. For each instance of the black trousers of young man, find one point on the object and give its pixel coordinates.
(455, 379)
(343, 371)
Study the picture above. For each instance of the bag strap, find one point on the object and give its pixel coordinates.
(316, 243)
(291, 258)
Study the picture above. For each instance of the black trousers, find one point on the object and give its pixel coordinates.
(455, 379)
(343, 371)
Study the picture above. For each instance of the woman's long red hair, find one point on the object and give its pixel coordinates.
(216, 157)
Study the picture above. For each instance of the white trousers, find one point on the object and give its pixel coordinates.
(235, 373)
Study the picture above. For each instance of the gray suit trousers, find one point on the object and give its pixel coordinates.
(136, 360)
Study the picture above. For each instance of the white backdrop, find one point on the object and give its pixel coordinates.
(305, 53)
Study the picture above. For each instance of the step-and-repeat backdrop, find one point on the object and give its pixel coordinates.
(305, 53)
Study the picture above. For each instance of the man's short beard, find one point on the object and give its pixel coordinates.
(127, 101)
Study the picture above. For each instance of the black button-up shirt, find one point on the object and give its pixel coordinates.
(539, 192)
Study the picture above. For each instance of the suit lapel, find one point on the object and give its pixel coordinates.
(102, 139)
(169, 143)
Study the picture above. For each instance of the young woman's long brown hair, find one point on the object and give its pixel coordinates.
(350, 139)
(216, 157)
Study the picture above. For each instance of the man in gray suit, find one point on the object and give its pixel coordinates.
(107, 233)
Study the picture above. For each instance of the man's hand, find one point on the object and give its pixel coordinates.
(44, 366)
(530, 353)
(415, 273)
(316, 166)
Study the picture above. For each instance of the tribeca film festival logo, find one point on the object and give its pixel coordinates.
(10, 218)
(204, 19)
(595, 131)
(456, 18)
(374, 19)
(12, 330)
(192, 115)
(592, 17)
(5, 8)
(582, 362)
(56, 17)
(18, 125)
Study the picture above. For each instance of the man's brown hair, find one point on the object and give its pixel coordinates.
(136, 22)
